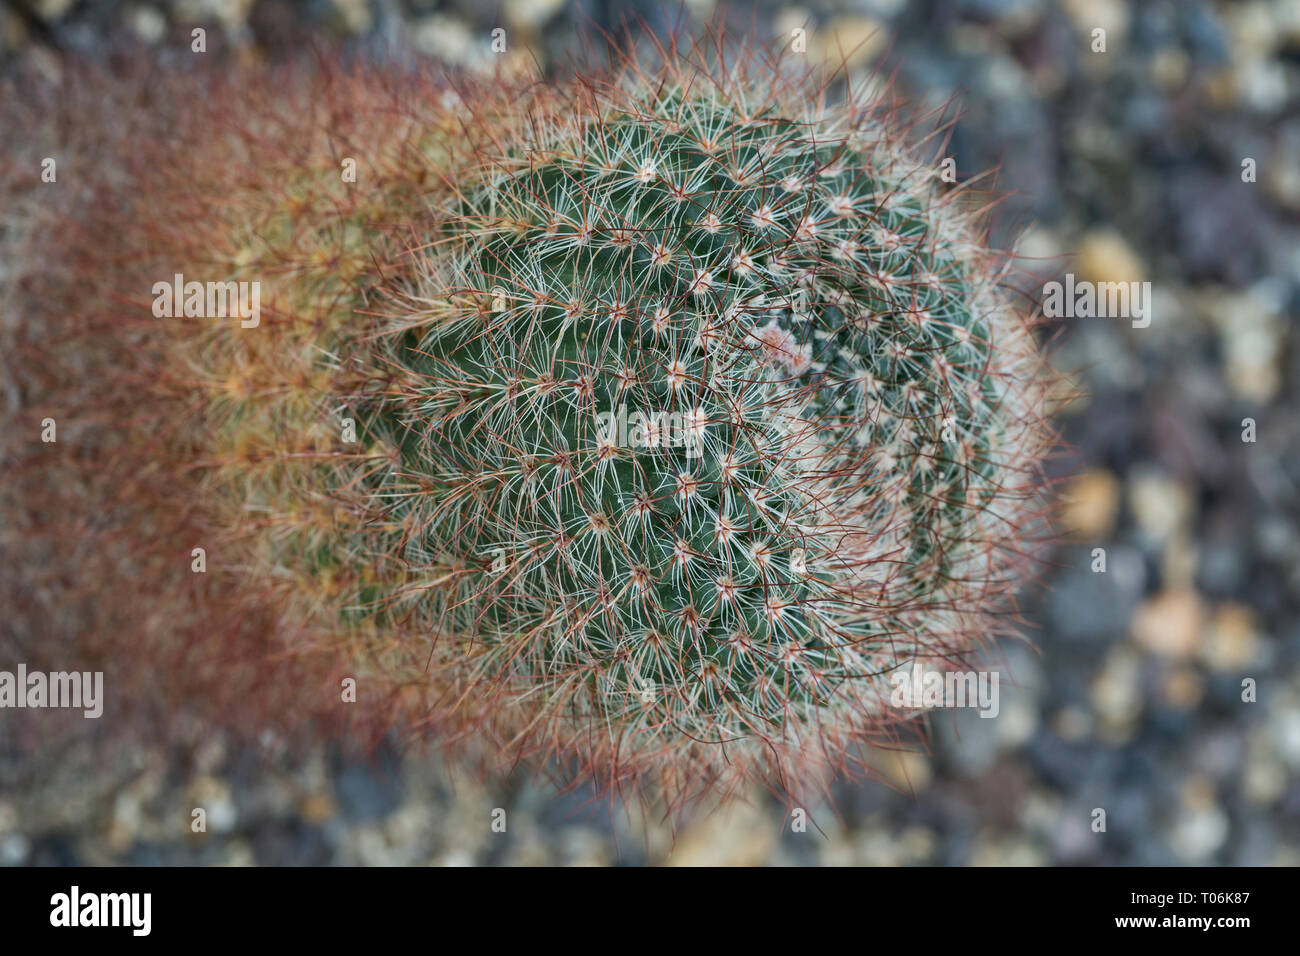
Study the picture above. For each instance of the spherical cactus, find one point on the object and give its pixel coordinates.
(711, 417)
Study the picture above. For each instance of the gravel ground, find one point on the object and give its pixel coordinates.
(1128, 694)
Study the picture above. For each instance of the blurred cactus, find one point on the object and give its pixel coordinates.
(186, 432)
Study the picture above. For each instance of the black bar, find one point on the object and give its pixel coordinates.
(940, 906)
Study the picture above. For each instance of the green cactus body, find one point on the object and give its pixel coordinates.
(841, 437)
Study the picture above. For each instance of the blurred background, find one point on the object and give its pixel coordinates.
(1122, 165)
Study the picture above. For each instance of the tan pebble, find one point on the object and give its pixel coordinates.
(739, 835)
(1169, 624)
(1105, 256)
(1072, 724)
(1161, 506)
(1114, 694)
(855, 40)
(1182, 688)
(1110, 15)
(905, 769)
(1089, 504)
(1169, 68)
(1230, 643)
(317, 807)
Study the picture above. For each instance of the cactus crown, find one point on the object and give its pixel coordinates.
(709, 416)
